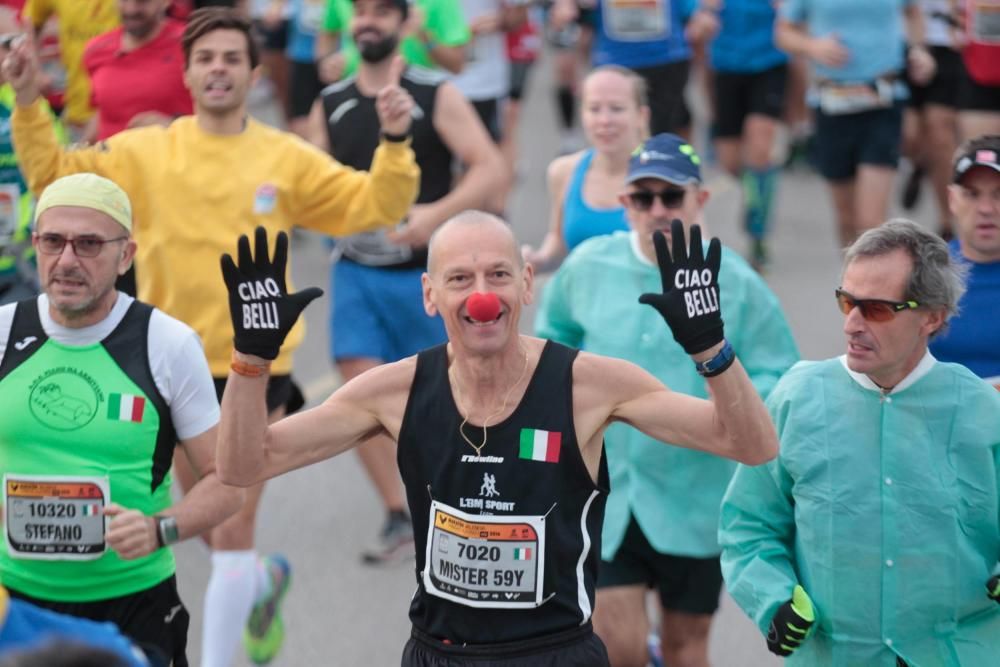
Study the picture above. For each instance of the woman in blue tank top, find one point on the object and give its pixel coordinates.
(584, 187)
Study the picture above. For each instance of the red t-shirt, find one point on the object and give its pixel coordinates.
(982, 52)
(523, 44)
(125, 83)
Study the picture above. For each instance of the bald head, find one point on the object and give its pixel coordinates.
(471, 227)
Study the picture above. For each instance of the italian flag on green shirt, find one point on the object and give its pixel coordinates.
(126, 407)
(538, 445)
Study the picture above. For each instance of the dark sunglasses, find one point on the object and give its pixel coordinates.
(876, 310)
(642, 200)
(83, 246)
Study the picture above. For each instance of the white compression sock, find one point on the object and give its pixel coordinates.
(228, 601)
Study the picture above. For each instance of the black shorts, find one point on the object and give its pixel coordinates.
(519, 79)
(974, 96)
(578, 647)
(155, 619)
(280, 392)
(943, 88)
(738, 95)
(665, 84)
(272, 39)
(489, 112)
(689, 585)
(842, 142)
(303, 88)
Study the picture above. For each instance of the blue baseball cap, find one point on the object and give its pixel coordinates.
(666, 157)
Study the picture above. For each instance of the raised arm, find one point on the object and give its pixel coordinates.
(735, 423)
(39, 155)
(338, 200)
(263, 312)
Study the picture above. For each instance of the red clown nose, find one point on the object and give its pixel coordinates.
(483, 307)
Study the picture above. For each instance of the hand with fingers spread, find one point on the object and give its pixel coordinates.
(131, 533)
(262, 310)
(393, 104)
(690, 299)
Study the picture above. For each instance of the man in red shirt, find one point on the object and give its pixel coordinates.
(137, 70)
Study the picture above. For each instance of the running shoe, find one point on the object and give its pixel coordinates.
(394, 543)
(265, 631)
(911, 189)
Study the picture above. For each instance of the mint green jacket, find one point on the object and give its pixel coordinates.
(592, 303)
(884, 507)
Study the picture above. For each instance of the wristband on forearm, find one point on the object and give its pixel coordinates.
(166, 531)
(717, 364)
(246, 369)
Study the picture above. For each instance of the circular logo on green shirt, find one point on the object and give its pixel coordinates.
(64, 399)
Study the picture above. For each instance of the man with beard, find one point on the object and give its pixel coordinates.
(195, 185)
(376, 314)
(137, 70)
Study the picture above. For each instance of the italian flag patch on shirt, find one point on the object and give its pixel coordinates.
(537, 445)
(126, 407)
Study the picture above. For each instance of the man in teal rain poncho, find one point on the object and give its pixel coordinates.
(662, 517)
(873, 539)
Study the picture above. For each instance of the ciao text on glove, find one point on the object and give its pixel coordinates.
(698, 301)
(258, 314)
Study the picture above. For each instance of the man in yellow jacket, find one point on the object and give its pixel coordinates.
(195, 186)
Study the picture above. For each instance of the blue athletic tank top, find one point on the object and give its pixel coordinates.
(581, 221)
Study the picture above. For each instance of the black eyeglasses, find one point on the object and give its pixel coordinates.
(642, 200)
(876, 310)
(83, 246)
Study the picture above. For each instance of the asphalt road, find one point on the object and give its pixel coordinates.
(340, 613)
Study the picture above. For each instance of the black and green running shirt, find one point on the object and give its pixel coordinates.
(82, 426)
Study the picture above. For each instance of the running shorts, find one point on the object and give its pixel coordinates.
(689, 585)
(843, 142)
(665, 84)
(739, 94)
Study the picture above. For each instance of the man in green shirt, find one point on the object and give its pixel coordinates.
(436, 35)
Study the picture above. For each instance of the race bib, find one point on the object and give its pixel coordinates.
(837, 99)
(55, 518)
(636, 20)
(984, 24)
(493, 562)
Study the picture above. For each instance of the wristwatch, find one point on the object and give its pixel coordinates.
(166, 530)
(717, 364)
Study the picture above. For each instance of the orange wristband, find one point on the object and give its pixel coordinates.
(249, 370)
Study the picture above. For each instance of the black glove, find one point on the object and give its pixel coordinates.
(790, 624)
(690, 299)
(263, 311)
(993, 588)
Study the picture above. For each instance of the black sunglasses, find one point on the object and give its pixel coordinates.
(642, 200)
(876, 310)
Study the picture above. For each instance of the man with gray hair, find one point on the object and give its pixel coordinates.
(868, 541)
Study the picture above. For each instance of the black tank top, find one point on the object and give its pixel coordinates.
(354, 132)
(532, 467)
